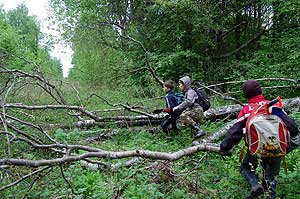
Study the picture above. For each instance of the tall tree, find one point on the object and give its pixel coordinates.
(209, 40)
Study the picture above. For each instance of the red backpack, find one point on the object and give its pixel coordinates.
(266, 134)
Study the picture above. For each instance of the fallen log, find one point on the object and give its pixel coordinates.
(155, 155)
(213, 114)
(215, 136)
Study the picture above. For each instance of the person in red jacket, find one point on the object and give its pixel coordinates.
(253, 92)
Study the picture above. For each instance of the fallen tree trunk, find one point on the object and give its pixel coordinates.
(211, 139)
(213, 114)
(114, 155)
(215, 136)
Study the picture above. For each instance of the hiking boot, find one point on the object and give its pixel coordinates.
(256, 188)
(256, 191)
(198, 132)
(177, 130)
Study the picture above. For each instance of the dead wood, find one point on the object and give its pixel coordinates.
(23, 178)
(93, 165)
(294, 81)
(215, 136)
(213, 114)
(171, 156)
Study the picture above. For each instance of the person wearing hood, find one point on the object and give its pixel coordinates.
(271, 165)
(192, 112)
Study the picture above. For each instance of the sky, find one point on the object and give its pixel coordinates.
(39, 8)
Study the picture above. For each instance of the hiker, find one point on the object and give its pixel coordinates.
(271, 165)
(171, 102)
(191, 111)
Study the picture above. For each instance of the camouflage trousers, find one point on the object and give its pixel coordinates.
(190, 116)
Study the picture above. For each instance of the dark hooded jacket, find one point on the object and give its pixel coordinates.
(190, 96)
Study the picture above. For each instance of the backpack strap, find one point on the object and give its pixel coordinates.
(284, 164)
(242, 152)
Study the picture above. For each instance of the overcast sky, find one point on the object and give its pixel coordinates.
(39, 8)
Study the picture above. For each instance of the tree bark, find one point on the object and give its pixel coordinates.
(213, 114)
(114, 155)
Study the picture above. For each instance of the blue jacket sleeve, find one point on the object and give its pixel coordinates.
(171, 101)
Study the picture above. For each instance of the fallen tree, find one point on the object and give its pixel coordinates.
(213, 114)
(29, 129)
(92, 152)
(113, 155)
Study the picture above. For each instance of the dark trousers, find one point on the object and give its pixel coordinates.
(271, 167)
(170, 119)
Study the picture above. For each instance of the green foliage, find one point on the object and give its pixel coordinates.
(114, 43)
(209, 41)
(26, 27)
(7, 37)
(202, 175)
(19, 42)
(287, 182)
(89, 184)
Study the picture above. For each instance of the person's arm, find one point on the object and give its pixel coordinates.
(169, 107)
(294, 132)
(233, 137)
(235, 133)
(291, 125)
(189, 100)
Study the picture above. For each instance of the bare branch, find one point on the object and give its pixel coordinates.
(217, 135)
(23, 178)
(295, 81)
(231, 29)
(222, 95)
(257, 35)
(114, 155)
(32, 125)
(70, 147)
(127, 37)
(150, 68)
(93, 165)
(64, 177)
(60, 106)
(5, 86)
(48, 87)
(3, 119)
(224, 113)
(12, 127)
(20, 73)
(127, 107)
(32, 183)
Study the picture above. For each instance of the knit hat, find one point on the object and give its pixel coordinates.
(251, 88)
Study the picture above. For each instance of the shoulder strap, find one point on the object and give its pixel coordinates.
(284, 165)
(242, 152)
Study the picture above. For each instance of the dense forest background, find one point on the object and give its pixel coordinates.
(57, 134)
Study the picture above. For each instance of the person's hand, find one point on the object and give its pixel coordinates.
(167, 110)
(175, 108)
(225, 153)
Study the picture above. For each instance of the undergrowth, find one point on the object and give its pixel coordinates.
(201, 175)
